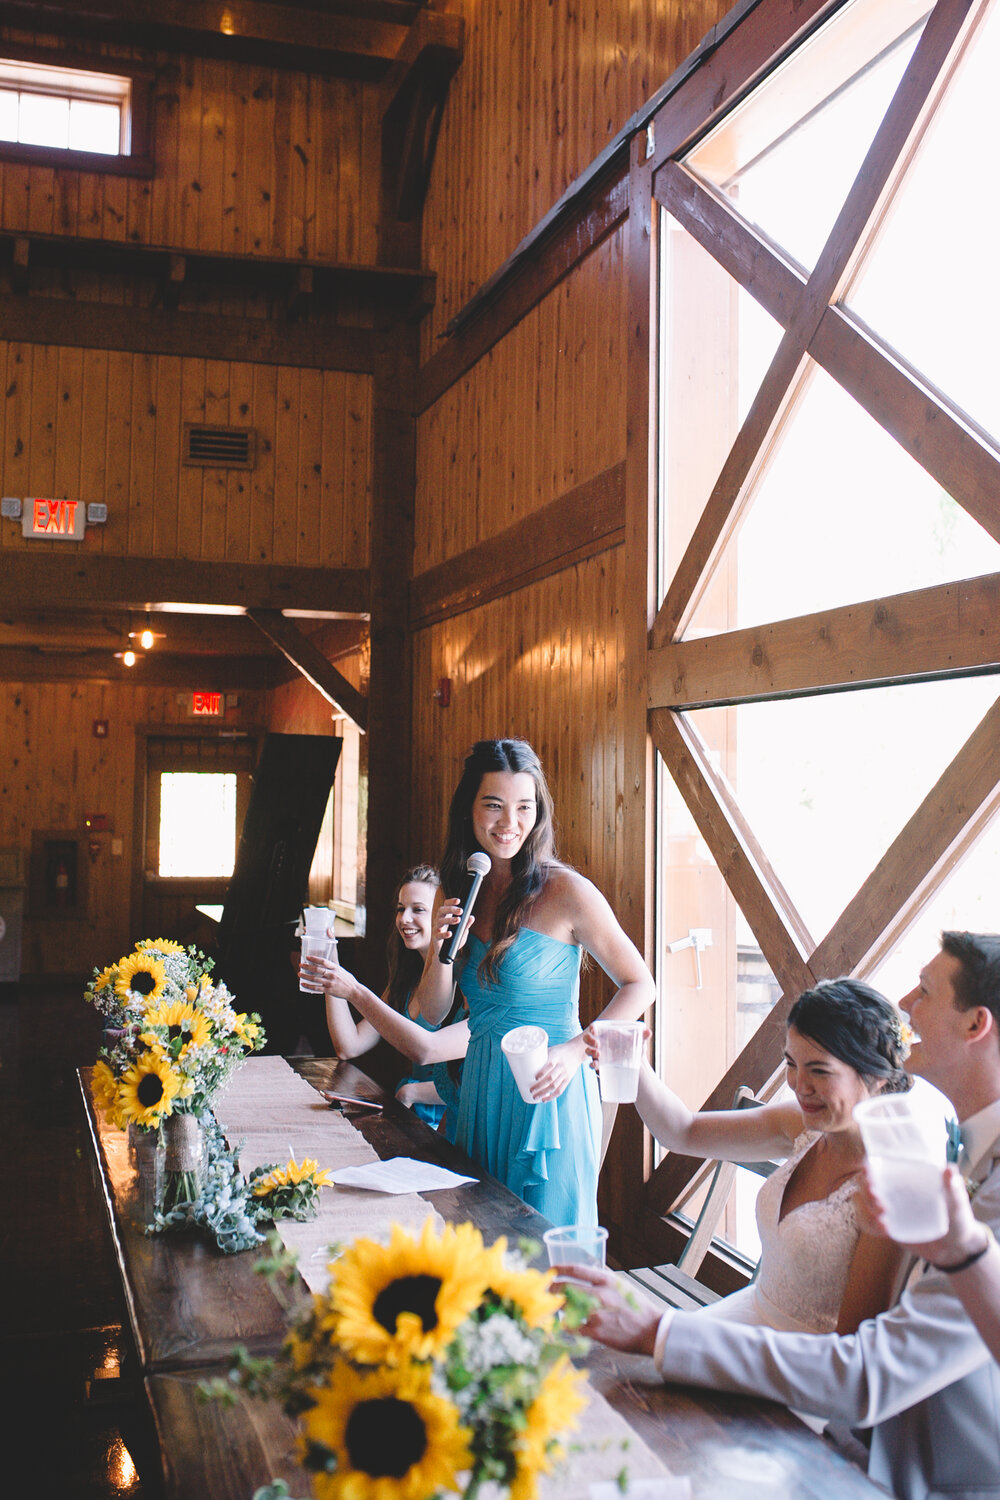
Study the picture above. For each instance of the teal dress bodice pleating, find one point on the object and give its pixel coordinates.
(546, 1153)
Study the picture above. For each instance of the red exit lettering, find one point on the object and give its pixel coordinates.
(54, 517)
(206, 705)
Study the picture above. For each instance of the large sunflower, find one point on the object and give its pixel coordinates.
(161, 945)
(141, 978)
(105, 979)
(393, 1438)
(181, 1020)
(527, 1290)
(148, 1089)
(105, 1087)
(245, 1030)
(552, 1412)
(405, 1299)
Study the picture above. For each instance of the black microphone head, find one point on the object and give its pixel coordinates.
(478, 863)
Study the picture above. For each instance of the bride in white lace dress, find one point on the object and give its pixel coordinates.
(818, 1273)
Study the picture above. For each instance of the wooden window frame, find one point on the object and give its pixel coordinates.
(938, 632)
(137, 161)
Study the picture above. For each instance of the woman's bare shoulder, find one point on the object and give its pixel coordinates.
(563, 883)
(571, 894)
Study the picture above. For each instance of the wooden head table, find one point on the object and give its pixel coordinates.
(189, 1305)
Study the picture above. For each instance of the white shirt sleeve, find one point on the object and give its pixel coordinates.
(923, 1344)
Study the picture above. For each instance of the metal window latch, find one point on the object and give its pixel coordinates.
(698, 938)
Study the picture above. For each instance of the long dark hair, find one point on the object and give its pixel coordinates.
(857, 1025)
(406, 965)
(533, 862)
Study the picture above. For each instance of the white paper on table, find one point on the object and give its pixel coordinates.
(664, 1487)
(400, 1174)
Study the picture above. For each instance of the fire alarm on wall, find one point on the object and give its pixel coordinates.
(443, 691)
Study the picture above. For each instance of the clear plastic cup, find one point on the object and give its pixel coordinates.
(318, 921)
(318, 946)
(619, 1048)
(576, 1245)
(906, 1148)
(525, 1048)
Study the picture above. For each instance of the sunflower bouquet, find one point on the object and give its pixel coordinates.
(291, 1191)
(171, 1036)
(430, 1366)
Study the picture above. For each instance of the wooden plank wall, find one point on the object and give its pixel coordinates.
(248, 159)
(541, 413)
(54, 772)
(542, 89)
(101, 425)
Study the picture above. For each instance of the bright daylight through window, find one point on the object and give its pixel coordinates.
(197, 823)
(837, 508)
(64, 107)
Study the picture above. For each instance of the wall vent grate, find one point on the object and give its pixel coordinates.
(219, 447)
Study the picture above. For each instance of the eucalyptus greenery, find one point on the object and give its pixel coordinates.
(226, 1207)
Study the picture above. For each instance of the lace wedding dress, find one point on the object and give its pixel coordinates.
(805, 1257)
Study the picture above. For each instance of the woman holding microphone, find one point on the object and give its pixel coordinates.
(533, 920)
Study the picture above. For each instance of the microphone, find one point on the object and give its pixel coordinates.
(478, 867)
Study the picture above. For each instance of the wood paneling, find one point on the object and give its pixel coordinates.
(542, 413)
(541, 91)
(54, 772)
(248, 158)
(108, 427)
(588, 520)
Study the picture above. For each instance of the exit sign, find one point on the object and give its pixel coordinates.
(206, 705)
(59, 520)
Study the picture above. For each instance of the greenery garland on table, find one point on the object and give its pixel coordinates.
(232, 1208)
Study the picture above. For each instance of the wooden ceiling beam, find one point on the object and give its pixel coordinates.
(312, 664)
(407, 289)
(589, 518)
(33, 581)
(153, 669)
(156, 330)
(911, 637)
(338, 39)
(414, 93)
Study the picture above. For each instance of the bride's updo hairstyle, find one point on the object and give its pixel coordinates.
(858, 1026)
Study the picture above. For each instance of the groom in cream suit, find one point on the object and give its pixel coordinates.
(919, 1375)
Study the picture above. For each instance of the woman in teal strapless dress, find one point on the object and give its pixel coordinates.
(533, 919)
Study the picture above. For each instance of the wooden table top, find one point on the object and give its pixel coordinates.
(189, 1305)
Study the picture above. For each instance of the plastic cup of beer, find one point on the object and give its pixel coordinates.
(525, 1048)
(906, 1148)
(576, 1245)
(619, 1055)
